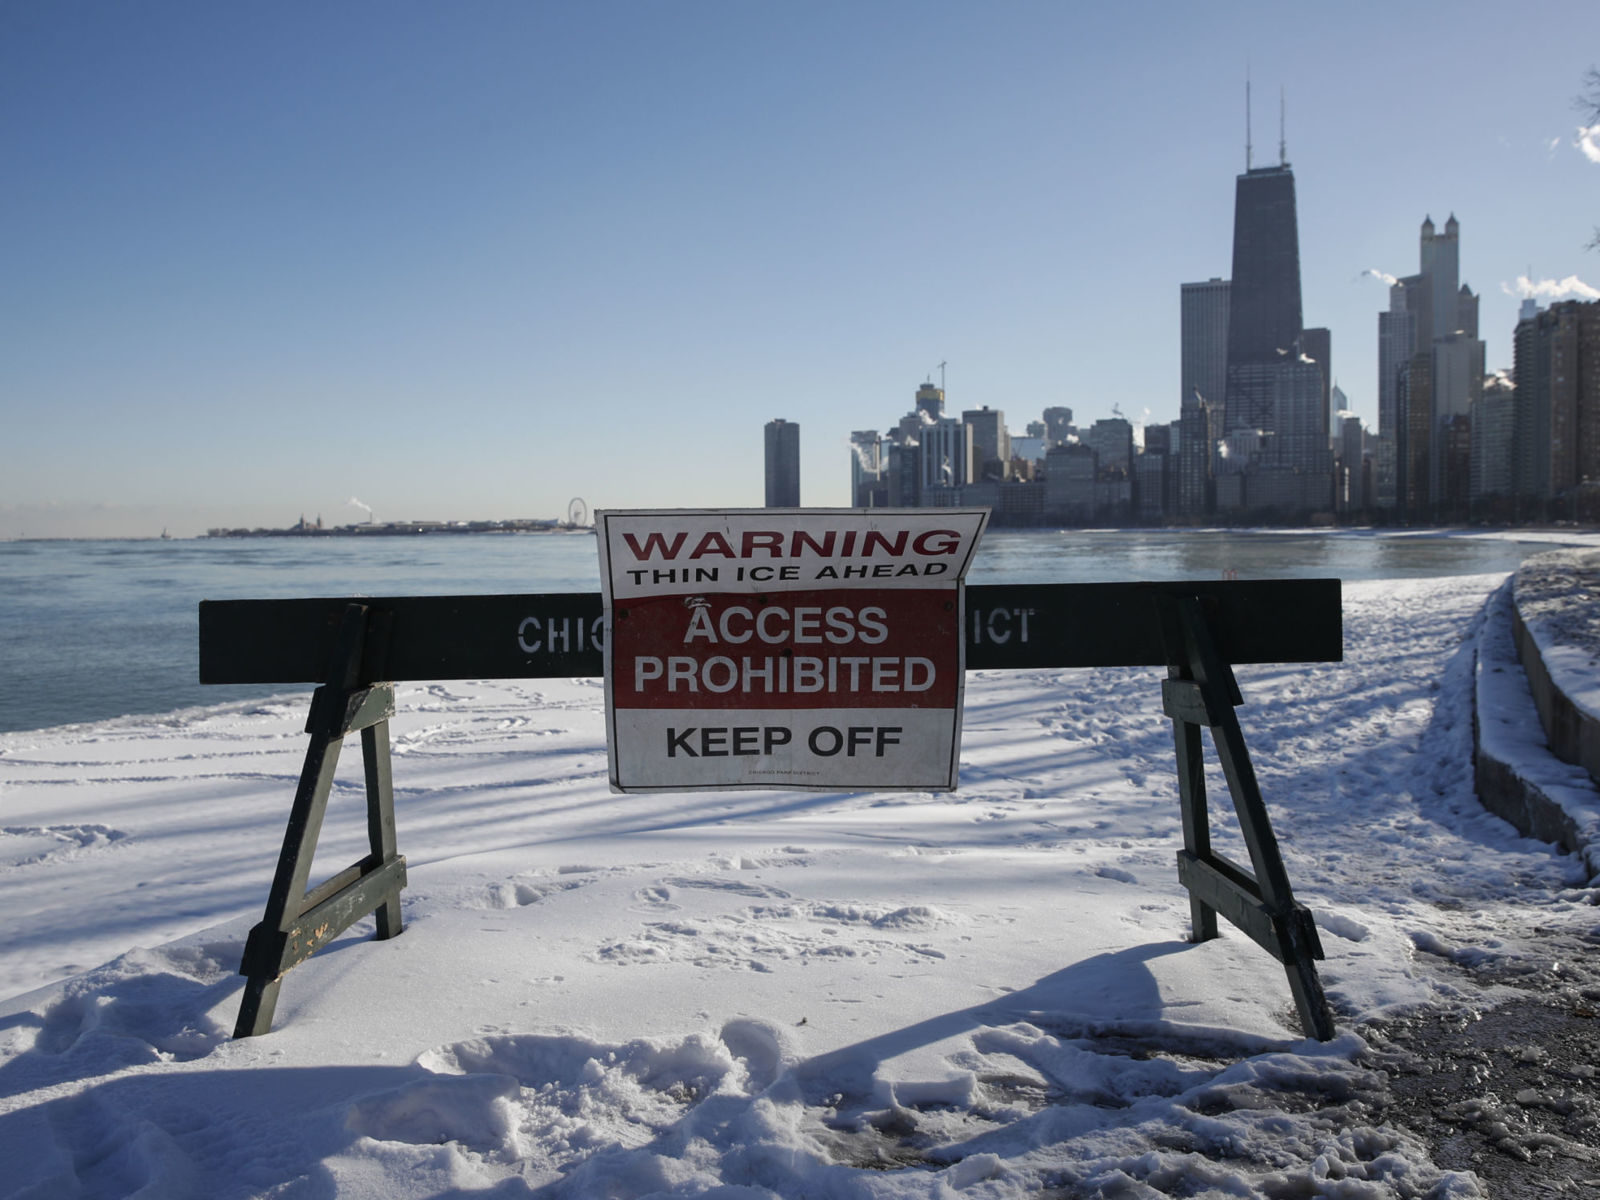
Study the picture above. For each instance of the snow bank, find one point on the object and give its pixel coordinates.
(1558, 636)
(1517, 775)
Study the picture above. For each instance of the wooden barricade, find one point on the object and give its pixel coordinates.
(358, 648)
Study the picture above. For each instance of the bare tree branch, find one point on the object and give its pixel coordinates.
(1587, 101)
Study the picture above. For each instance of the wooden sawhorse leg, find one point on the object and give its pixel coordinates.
(298, 923)
(1201, 692)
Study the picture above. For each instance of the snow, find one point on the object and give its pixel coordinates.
(985, 993)
(1556, 593)
(1509, 732)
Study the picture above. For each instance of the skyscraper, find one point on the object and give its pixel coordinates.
(1317, 345)
(1530, 469)
(867, 485)
(1203, 379)
(1057, 424)
(783, 464)
(1264, 319)
(1196, 435)
(1558, 375)
(1111, 439)
(1397, 342)
(1494, 438)
(1414, 398)
(1430, 374)
(991, 443)
(1351, 481)
(1203, 341)
(946, 457)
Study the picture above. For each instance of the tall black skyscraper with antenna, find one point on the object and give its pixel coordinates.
(1264, 299)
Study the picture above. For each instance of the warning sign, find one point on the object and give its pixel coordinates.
(785, 648)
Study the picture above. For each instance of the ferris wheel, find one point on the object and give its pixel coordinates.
(577, 512)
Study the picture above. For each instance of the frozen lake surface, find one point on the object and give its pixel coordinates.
(90, 630)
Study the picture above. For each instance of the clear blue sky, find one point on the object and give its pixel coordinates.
(472, 260)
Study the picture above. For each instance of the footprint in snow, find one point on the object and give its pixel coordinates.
(736, 886)
(24, 845)
(656, 898)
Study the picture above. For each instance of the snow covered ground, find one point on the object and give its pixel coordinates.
(984, 994)
(1519, 774)
(1556, 594)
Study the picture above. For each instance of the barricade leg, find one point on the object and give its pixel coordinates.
(1201, 692)
(1196, 821)
(297, 922)
(380, 816)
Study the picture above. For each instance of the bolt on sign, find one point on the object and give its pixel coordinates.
(785, 648)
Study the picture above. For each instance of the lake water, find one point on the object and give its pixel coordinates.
(91, 630)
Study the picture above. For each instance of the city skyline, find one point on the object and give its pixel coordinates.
(471, 265)
(1264, 436)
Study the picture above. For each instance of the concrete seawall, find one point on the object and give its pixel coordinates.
(1555, 618)
(1530, 732)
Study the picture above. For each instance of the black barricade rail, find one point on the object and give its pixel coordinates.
(358, 648)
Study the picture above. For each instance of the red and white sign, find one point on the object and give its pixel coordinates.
(785, 648)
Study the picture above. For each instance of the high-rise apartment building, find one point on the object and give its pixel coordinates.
(903, 474)
(1150, 487)
(1299, 422)
(1057, 424)
(1197, 434)
(1558, 379)
(867, 485)
(1203, 341)
(1493, 432)
(1111, 439)
(1414, 399)
(1458, 370)
(1530, 465)
(1397, 342)
(947, 452)
(1203, 381)
(1352, 482)
(1069, 481)
(783, 464)
(991, 443)
(1317, 345)
(1384, 492)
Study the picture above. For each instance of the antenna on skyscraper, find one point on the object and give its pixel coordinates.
(1247, 115)
(1283, 145)
(941, 376)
